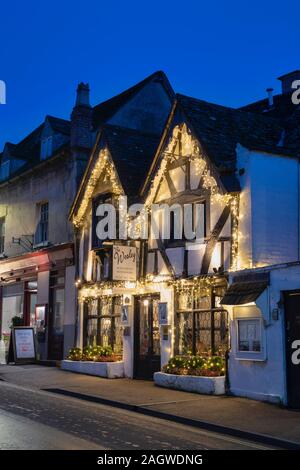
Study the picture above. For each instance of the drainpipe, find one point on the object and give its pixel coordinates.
(227, 383)
(298, 211)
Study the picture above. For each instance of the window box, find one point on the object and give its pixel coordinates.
(191, 383)
(110, 370)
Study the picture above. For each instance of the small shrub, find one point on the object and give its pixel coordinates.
(75, 354)
(207, 366)
(16, 321)
(93, 353)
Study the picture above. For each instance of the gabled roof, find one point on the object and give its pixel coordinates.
(220, 129)
(62, 126)
(282, 107)
(104, 111)
(29, 147)
(132, 153)
(10, 147)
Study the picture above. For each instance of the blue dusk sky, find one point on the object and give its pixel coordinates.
(226, 52)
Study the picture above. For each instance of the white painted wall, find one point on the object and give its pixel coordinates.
(269, 209)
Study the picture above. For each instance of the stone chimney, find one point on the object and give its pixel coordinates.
(81, 119)
(270, 97)
(287, 80)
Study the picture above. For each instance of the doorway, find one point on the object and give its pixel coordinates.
(56, 315)
(292, 344)
(146, 337)
(30, 303)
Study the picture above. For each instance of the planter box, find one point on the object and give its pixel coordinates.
(111, 370)
(191, 383)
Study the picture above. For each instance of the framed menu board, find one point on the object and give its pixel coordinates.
(22, 345)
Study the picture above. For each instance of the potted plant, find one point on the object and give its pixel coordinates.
(16, 321)
(199, 374)
(94, 360)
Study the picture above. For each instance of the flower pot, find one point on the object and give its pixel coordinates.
(2, 352)
(110, 370)
(191, 383)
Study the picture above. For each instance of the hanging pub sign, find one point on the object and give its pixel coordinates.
(124, 263)
(22, 345)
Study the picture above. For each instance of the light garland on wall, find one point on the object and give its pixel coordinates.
(189, 148)
(104, 165)
(198, 284)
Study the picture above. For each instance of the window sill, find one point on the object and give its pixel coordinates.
(253, 357)
(40, 245)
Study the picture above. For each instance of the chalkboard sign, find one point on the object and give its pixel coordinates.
(22, 345)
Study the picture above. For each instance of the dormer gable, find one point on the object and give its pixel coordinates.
(142, 107)
(55, 134)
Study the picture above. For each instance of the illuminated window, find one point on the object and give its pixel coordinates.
(102, 324)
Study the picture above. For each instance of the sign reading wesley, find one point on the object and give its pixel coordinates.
(24, 344)
(124, 263)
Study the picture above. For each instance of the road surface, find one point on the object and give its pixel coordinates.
(33, 419)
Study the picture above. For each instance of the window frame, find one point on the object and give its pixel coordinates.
(42, 222)
(99, 316)
(105, 198)
(194, 312)
(250, 355)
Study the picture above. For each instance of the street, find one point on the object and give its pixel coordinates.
(32, 419)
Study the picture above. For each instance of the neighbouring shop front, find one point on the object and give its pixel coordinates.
(35, 290)
(264, 360)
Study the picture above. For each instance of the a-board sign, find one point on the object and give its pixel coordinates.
(22, 345)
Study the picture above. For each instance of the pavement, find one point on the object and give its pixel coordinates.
(35, 419)
(241, 417)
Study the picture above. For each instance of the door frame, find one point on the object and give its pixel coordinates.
(27, 300)
(51, 337)
(287, 352)
(136, 331)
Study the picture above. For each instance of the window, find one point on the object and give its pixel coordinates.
(42, 228)
(12, 306)
(4, 170)
(2, 234)
(202, 325)
(249, 335)
(46, 148)
(248, 339)
(101, 199)
(102, 326)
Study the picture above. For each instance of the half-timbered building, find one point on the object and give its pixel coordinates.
(219, 291)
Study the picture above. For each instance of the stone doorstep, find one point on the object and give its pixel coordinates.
(110, 370)
(191, 383)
